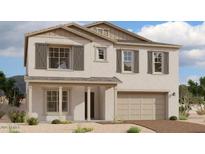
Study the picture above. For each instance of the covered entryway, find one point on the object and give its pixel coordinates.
(141, 106)
(92, 105)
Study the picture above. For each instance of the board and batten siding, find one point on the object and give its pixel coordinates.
(41, 55)
(78, 58)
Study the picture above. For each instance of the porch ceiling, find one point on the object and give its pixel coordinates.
(91, 80)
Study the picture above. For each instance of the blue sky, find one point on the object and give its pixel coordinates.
(189, 34)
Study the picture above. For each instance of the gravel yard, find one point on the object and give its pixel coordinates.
(69, 128)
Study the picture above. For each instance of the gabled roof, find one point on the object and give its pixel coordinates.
(64, 27)
(92, 32)
(118, 28)
(85, 28)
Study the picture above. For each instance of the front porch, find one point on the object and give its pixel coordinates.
(71, 101)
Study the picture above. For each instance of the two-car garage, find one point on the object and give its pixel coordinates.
(141, 106)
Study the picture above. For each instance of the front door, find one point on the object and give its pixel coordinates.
(92, 98)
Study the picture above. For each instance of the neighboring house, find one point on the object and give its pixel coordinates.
(99, 72)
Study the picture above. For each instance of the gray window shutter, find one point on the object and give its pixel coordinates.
(136, 61)
(119, 61)
(166, 63)
(78, 58)
(41, 56)
(149, 62)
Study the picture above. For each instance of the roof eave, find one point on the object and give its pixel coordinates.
(150, 45)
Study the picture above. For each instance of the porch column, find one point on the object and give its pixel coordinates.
(60, 100)
(88, 103)
(30, 99)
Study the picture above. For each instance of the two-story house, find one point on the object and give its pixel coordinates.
(99, 72)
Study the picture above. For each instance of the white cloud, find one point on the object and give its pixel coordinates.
(11, 52)
(129, 29)
(191, 37)
(12, 35)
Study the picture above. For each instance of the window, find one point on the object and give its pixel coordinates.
(127, 61)
(102, 31)
(158, 62)
(59, 58)
(53, 101)
(106, 32)
(100, 54)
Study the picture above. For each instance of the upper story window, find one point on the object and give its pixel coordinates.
(100, 54)
(103, 31)
(127, 61)
(158, 62)
(59, 58)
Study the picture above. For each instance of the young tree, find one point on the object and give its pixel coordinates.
(11, 92)
(184, 100)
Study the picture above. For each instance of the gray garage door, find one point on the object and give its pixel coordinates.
(141, 106)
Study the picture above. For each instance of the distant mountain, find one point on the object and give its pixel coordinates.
(20, 83)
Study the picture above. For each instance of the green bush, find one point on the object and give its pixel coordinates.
(134, 130)
(17, 116)
(57, 121)
(173, 118)
(183, 117)
(32, 121)
(2, 113)
(12, 130)
(83, 130)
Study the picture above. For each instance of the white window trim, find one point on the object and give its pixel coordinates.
(57, 112)
(153, 63)
(59, 69)
(97, 54)
(132, 65)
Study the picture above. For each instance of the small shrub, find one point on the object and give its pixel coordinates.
(2, 113)
(200, 112)
(83, 130)
(11, 130)
(17, 116)
(134, 130)
(57, 121)
(183, 117)
(173, 118)
(65, 122)
(32, 121)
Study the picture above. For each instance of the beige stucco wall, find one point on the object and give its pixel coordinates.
(130, 82)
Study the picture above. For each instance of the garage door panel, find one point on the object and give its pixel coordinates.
(144, 106)
(147, 106)
(134, 111)
(124, 112)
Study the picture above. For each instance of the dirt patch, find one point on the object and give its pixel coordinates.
(168, 126)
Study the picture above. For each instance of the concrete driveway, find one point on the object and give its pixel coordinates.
(168, 126)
